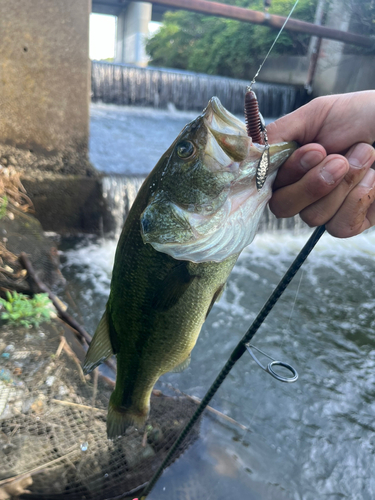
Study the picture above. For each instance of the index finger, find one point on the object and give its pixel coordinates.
(298, 164)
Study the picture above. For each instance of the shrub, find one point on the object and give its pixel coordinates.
(19, 309)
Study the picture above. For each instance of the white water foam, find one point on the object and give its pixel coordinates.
(93, 263)
(274, 251)
(278, 248)
(319, 431)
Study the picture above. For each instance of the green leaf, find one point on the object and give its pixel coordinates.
(214, 45)
(21, 310)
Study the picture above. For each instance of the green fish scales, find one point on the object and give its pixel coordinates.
(195, 212)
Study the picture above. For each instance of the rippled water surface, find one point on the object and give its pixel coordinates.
(130, 140)
(313, 439)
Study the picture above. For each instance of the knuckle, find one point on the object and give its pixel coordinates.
(316, 189)
(280, 213)
(281, 210)
(349, 180)
(353, 176)
(342, 230)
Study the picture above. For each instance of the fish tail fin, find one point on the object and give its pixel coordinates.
(119, 419)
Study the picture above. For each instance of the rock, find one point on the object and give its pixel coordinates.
(69, 204)
(135, 452)
(25, 234)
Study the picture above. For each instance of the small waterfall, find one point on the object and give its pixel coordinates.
(130, 85)
(120, 192)
(269, 223)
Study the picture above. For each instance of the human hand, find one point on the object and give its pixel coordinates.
(329, 180)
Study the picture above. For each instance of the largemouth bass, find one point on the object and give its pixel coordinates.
(194, 214)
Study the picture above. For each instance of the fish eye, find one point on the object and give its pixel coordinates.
(185, 149)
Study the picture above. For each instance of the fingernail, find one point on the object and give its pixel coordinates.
(311, 159)
(368, 180)
(333, 170)
(359, 155)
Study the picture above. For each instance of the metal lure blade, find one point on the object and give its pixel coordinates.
(262, 169)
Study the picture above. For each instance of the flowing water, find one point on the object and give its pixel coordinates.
(314, 439)
(156, 87)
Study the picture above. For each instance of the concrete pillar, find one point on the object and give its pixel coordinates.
(44, 75)
(44, 111)
(132, 31)
(331, 52)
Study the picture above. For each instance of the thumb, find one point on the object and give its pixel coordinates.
(291, 127)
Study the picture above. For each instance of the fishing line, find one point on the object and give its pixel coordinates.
(287, 329)
(255, 125)
(239, 351)
(280, 346)
(272, 46)
(295, 300)
(244, 344)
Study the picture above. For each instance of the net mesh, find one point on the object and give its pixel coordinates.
(53, 441)
(54, 433)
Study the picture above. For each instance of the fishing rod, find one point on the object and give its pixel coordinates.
(257, 130)
(239, 350)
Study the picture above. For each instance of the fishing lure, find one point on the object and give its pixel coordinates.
(256, 129)
(254, 120)
(252, 117)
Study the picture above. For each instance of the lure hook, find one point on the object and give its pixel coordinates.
(269, 368)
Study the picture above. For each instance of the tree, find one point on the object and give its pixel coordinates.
(220, 46)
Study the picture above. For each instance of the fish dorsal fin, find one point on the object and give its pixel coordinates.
(172, 288)
(182, 366)
(215, 298)
(100, 348)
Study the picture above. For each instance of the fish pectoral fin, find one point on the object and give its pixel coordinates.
(172, 288)
(182, 366)
(215, 298)
(100, 348)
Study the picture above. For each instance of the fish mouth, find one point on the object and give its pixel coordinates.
(230, 149)
(220, 120)
(227, 139)
(217, 227)
(237, 149)
(231, 135)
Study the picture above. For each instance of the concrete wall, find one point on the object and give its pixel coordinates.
(44, 74)
(337, 72)
(355, 73)
(290, 70)
(349, 73)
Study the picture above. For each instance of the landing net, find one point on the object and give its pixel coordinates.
(53, 438)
